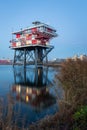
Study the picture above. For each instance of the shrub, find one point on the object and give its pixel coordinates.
(80, 118)
(73, 76)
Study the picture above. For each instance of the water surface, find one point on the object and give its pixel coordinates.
(27, 95)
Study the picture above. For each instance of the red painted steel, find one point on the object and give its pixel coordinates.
(37, 35)
(17, 35)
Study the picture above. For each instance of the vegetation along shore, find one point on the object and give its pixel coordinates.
(72, 114)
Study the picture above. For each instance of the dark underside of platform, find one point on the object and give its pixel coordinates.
(31, 47)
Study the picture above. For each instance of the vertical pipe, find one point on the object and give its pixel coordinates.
(24, 58)
(14, 58)
(46, 56)
(36, 56)
(40, 52)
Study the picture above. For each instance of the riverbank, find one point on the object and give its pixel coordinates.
(72, 113)
(49, 64)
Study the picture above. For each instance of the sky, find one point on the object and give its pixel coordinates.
(68, 17)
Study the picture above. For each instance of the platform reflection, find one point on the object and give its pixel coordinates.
(31, 86)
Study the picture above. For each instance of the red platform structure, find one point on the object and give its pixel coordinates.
(31, 45)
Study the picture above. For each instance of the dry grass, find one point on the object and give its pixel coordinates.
(73, 76)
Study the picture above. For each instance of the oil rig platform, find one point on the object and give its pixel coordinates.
(31, 45)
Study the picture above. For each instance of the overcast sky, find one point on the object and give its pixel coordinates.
(68, 17)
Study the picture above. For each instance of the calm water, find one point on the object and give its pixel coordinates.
(27, 95)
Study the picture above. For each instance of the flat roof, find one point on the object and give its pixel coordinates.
(34, 26)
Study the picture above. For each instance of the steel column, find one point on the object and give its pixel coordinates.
(40, 53)
(14, 58)
(36, 56)
(46, 56)
(24, 58)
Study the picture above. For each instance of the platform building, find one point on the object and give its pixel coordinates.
(32, 45)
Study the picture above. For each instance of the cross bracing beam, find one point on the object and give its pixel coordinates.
(46, 51)
(33, 55)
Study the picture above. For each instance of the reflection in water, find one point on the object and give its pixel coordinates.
(34, 77)
(30, 98)
(33, 87)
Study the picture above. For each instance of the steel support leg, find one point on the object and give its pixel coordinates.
(40, 52)
(46, 56)
(14, 58)
(36, 56)
(24, 58)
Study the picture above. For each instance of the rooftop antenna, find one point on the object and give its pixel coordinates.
(36, 22)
